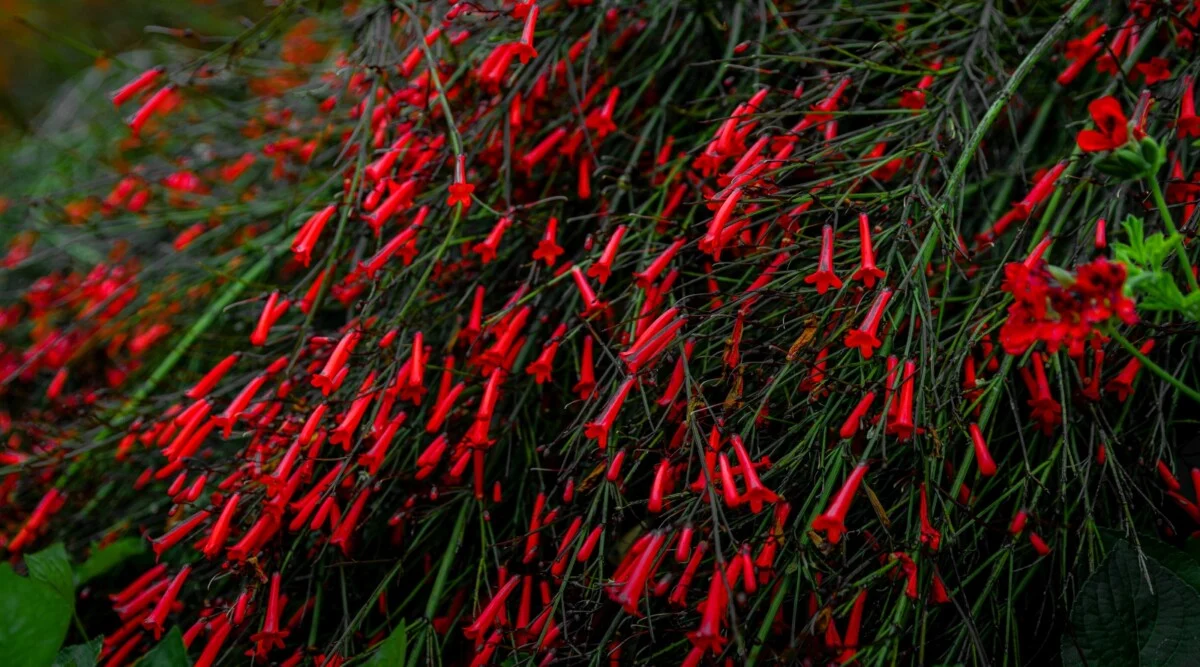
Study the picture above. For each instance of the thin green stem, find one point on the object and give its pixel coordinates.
(1151, 366)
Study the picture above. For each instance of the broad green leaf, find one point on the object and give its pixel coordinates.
(391, 651)
(33, 619)
(80, 655)
(105, 559)
(52, 567)
(1185, 565)
(169, 652)
(1128, 616)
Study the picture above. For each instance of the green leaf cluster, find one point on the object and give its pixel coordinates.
(1144, 257)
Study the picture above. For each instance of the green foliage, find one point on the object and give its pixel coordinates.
(104, 559)
(80, 655)
(1141, 160)
(1133, 611)
(35, 611)
(169, 652)
(1144, 257)
(393, 650)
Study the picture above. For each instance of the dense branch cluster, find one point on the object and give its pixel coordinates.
(572, 331)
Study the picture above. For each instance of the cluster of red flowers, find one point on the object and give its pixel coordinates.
(1046, 310)
(660, 360)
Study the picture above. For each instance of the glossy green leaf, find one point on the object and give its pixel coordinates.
(34, 617)
(80, 655)
(52, 567)
(1132, 612)
(169, 652)
(104, 559)
(393, 650)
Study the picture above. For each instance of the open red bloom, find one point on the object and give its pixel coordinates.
(1112, 127)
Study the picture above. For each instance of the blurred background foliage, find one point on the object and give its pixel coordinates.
(47, 46)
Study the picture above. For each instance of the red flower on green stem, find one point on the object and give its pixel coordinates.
(833, 520)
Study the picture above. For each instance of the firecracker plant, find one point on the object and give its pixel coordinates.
(588, 332)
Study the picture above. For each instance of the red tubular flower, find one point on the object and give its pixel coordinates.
(849, 643)
(345, 528)
(599, 429)
(1039, 545)
(560, 561)
(491, 394)
(646, 278)
(539, 152)
(1154, 70)
(344, 433)
(401, 198)
(237, 407)
(816, 375)
(137, 85)
(541, 367)
(635, 583)
(601, 269)
(220, 530)
(644, 354)
(270, 636)
(930, 536)
(864, 337)
(157, 617)
(1018, 523)
(1112, 127)
(1041, 190)
(460, 189)
(600, 120)
(867, 272)
(708, 637)
(493, 609)
(822, 112)
(272, 311)
(613, 474)
(524, 48)
(591, 303)
(326, 379)
(1167, 476)
(983, 457)
(138, 586)
(1186, 123)
(1080, 52)
(177, 533)
(824, 278)
(683, 547)
(586, 386)
(1122, 384)
(711, 243)
(50, 503)
(729, 491)
(756, 493)
(850, 427)
(833, 520)
(157, 102)
(383, 165)
(658, 488)
(903, 425)
(378, 452)
(548, 249)
(589, 544)
(678, 596)
(443, 407)
(677, 376)
(398, 244)
(310, 233)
